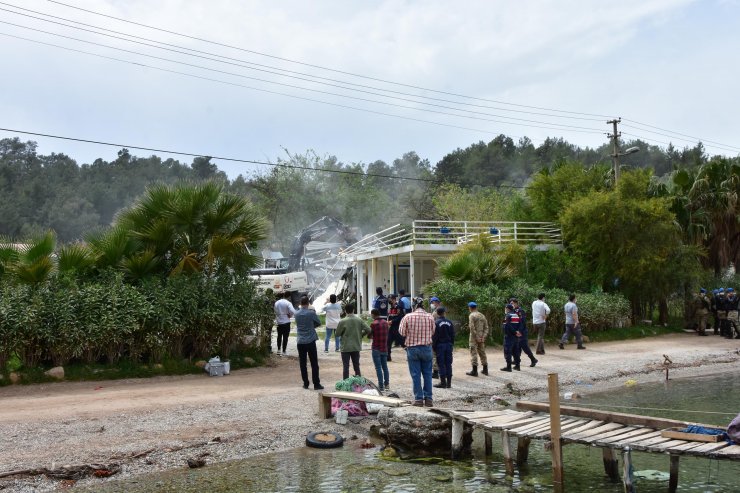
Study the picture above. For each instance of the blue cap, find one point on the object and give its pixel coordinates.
(509, 307)
(715, 291)
(434, 298)
(473, 304)
(702, 290)
(721, 290)
(730, 290)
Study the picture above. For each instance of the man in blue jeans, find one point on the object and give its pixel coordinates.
(418, 328)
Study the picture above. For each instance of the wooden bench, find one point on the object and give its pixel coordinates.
(325, 400)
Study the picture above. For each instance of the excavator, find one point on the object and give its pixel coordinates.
(290, 274)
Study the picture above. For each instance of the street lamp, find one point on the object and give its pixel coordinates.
(616, 157)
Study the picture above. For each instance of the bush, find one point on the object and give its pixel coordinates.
(107, 319)
(598, 311)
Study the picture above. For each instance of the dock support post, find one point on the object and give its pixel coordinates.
(324, 406)
(522, 450)
(508, 461)
(488, 443)
(457, 437)
(629, 483)
(673, 480)
(611, 464)
(555, 440)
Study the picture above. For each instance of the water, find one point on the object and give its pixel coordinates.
(353, 469)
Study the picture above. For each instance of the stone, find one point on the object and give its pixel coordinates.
(158, 366)
(586, 339)
(14, 377)
(419, 433)
(249, 361)
(201, 364)
(56, 372)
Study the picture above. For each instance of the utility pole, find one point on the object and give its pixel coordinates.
(615, 148)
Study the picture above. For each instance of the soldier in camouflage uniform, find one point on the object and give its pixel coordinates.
(478, 333)
(701, 311)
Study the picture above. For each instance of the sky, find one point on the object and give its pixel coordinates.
(430, 76)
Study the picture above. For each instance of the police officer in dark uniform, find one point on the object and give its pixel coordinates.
(731, 304)
(380, 303)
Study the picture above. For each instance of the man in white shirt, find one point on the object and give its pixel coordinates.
(333, 312)
(540, 312)
(283, 311)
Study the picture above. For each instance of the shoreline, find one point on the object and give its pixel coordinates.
(155, 425)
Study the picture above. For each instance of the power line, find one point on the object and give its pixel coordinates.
(195, 38)
(537, 123)
(252, 66)
(232, 159)
(673, 135)
(670, 143)
(194, 76)
(718, 144)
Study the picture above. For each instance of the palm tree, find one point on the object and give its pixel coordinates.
(185, 229)
(478, 262)
(33, 262)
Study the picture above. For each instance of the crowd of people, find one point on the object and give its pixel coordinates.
(427, 337)
(722, 304)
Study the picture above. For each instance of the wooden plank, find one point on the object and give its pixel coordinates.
(524, 423)
(564, 426)
(730, 451)
(709, 447)
(689, 446)
(696, 437)
(553, 394)
(498, 422)
(482, 415)
(522, 427)
(354, 396)
(608, 434)
(592, 432)
(536, 429)
(586, 426)
(664, 446)
(645, 444)
(608, 416)
(620, 441)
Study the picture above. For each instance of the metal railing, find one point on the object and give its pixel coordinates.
(442, 232)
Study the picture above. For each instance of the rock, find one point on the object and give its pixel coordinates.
(14, 377)
(249, 361)
(56, 372)
(586, 339)
(422, 433)
(196, 463)
(158, 366)
(201, 363)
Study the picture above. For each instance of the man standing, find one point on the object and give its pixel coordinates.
(395, 315)
(379, 335)
(572, 324)
(351, 329)
(333, 312)
(418, 328)
(434, 303)
(442, 344)
(702, 304)
(721, 311)
(404, 301)
(380, 303)
(478, 332)
(731, 303)
(511, 338)
(523, 342)
(306, 322)
(283, 311)
(540, 312)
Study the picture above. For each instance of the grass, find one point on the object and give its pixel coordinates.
(78, 372)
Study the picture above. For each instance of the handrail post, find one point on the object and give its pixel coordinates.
(515, 239)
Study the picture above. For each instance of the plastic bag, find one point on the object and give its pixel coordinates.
(371, 407)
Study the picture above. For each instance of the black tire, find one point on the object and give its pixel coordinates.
(324, 439)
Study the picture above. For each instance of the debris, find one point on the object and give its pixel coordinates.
(196, 463)
(630, 383)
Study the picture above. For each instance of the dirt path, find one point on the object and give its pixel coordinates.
(263, 409)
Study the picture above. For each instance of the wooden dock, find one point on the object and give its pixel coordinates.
(612, 432)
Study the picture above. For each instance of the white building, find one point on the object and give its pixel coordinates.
(402, 257)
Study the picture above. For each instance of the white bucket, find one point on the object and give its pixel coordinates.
(341, 416)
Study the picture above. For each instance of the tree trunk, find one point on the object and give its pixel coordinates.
(663, 311)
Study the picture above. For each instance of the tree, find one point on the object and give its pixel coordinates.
(630, 241)
(551, 190)
(480, 262)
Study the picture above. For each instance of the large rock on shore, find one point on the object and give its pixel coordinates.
(56, 372)
(418, 432)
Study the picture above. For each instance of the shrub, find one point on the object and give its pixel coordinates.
(598, 311)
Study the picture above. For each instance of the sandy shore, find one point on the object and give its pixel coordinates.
(157, 424)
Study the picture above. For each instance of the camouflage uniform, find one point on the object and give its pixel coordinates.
(478, 330)
(701, 312)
